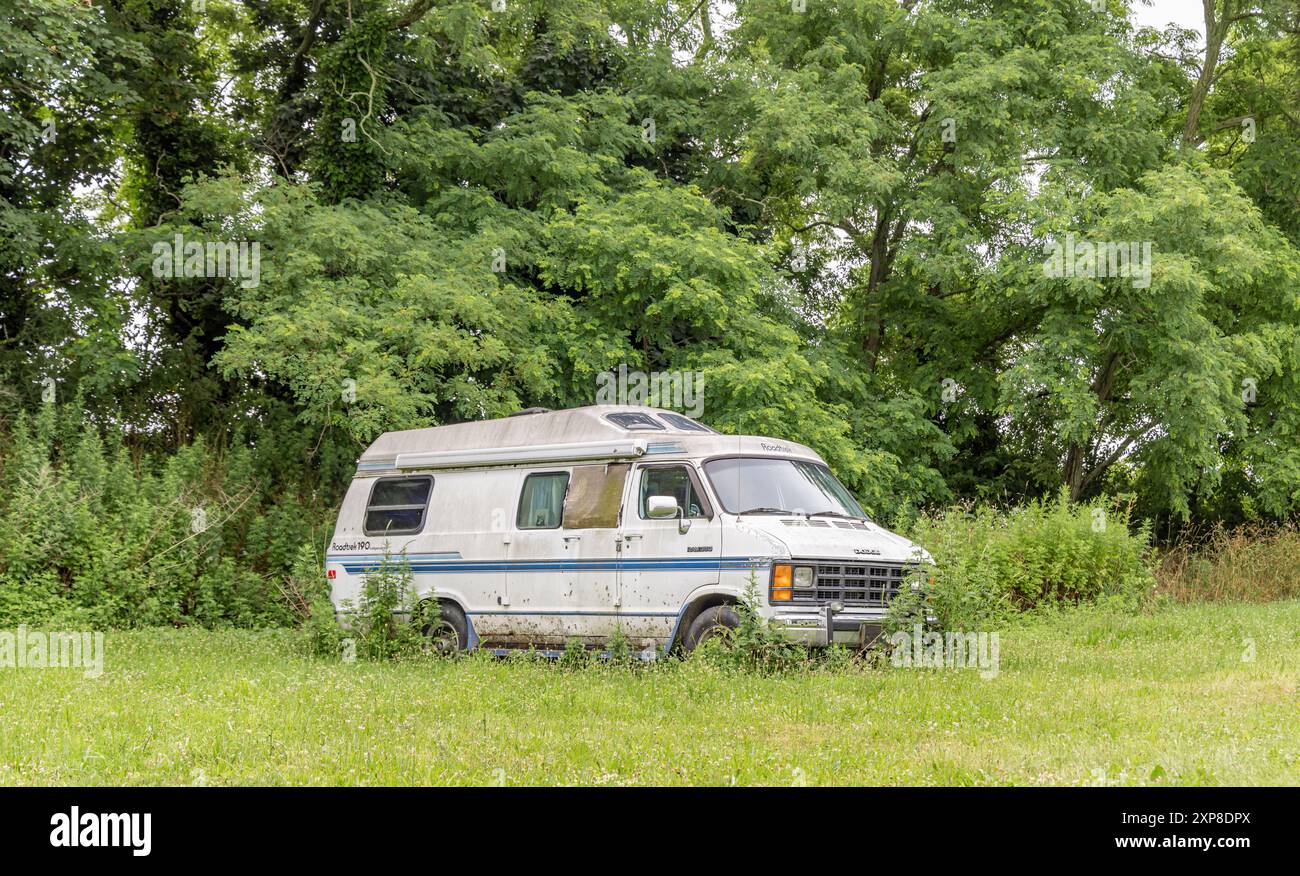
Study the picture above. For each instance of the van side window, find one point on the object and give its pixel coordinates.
(677, 481)
(541, 504)
(686, 424)
(595, 496)
(635, 422)
(397, 505)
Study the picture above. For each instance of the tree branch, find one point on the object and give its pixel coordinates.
(417, 10)
(1101, 467)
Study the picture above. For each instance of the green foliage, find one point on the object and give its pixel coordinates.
(837, 216)
(755, 645)
(353, 93)
(374, 295)
(387, 622)
(189, 539)
(619, 649)
(306, 581)
(62, 95)
(910, 607)
(575, 654)
(1109, 380)
(993, 564)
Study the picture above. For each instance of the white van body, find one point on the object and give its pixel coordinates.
(538, 527)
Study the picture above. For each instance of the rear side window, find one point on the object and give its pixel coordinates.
(595, 496)
(397, 505)
(541, 504)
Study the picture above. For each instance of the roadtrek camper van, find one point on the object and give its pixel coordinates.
(545, 526)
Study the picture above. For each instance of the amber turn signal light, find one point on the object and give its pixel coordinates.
(782, 583)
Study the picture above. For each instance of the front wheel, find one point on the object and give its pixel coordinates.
(713, 623)
(448, 633)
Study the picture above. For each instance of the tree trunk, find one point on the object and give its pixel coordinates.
(1215, 31)
(1074, 470)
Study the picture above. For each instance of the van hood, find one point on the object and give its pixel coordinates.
(834, 538)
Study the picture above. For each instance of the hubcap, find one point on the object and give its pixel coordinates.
(719, 632)
(443, 638)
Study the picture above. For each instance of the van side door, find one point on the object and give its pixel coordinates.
(539, 568)
(562, 575)
(590, 527)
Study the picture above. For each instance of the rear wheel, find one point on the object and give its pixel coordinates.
(712, 623)
(448, 633)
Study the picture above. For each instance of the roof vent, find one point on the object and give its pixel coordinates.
(526, 411)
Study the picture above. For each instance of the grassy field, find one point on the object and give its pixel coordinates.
(1194, 694)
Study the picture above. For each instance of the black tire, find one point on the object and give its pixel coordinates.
(719, 620)
(451, 633)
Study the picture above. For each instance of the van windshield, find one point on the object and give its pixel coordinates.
(764, 485)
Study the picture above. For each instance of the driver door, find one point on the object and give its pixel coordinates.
(660, 566)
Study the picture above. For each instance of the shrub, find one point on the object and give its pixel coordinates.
(386, 622)
(305, 588)
(575, 654)
(994, 564)
(193, 537)
(619, 648)
(910, 607)
(755, 645)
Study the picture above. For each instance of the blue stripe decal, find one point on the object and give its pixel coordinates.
(553, 653)
(558, 565)
(455, 555)
(578, 613)
(379, 558)
(431, 564)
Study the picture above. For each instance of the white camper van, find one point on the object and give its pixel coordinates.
(544, 526)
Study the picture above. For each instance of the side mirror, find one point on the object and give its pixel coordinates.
(664, 507)
(661, 507)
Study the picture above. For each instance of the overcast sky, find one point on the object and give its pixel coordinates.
(1186, 13)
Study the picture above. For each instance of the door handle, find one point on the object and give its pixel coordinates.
(631, 535)
(572, 537)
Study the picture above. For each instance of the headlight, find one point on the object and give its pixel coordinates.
(803, 577)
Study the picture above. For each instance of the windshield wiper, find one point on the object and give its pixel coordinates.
(766, 511)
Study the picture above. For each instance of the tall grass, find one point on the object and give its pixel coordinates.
(1089, 696)
(1246, 564)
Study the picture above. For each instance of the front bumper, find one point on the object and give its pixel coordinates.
(821, 625)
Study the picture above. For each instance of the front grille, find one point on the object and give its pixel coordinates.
(870, 584)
